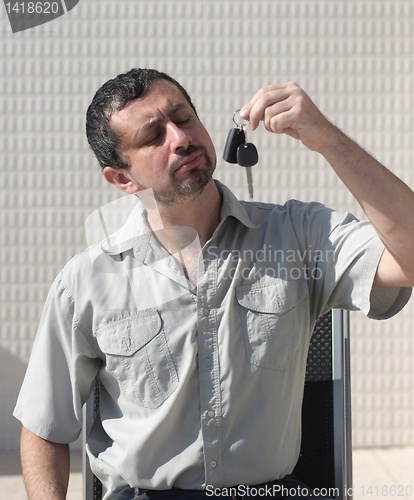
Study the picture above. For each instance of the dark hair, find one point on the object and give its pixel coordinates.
(113, 96)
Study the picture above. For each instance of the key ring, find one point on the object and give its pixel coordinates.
(239, 125)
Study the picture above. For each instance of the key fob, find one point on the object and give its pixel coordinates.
(247, 155)
(235, 138)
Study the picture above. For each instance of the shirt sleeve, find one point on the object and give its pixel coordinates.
(60, 373)
(343, 256)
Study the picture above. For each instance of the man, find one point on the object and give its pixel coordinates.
(201, 348)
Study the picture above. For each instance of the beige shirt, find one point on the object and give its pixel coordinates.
(201, 385)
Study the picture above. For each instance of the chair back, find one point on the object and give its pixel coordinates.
(326, 452)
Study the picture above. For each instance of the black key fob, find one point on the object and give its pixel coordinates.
(235, 139)
(247, 155)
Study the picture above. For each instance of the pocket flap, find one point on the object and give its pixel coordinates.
(126, 336)
(273, 295)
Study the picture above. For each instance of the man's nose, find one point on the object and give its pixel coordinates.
(180, 139)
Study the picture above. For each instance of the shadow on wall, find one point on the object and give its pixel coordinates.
(12, 371)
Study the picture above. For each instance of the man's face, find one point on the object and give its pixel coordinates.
(165, 144)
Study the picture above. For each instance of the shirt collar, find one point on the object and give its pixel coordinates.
(232, 207)
(135, 233)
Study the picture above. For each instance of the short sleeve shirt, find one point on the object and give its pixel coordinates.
(200, 384)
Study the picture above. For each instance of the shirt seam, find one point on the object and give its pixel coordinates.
(76, 319)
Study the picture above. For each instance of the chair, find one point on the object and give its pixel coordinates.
(325, 460)
(326, 453)
(91, 485)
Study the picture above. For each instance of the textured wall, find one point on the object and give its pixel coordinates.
(355, 58)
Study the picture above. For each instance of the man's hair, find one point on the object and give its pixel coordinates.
(113, 96)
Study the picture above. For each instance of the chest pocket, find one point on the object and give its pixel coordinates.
(272, 316)
(137, 355)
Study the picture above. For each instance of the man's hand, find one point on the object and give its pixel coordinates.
(45, 467)
(286, 109)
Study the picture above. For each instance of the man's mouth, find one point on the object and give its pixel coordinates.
(191, 161)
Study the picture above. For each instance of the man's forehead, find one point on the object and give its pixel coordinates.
(162, 97)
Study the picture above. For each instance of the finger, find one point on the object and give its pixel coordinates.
(255, 109)
(273, 115)
(245, 110)
(283, 123)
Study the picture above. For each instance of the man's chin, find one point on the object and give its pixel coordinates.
(186, 190)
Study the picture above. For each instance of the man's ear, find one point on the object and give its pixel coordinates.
(119, 177)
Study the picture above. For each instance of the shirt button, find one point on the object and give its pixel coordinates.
(204, 312)
(208, 361)
(213, 463)
(210, 413)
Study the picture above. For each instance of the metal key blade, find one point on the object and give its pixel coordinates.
(249, 177)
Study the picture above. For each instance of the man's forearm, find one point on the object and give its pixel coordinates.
(45, 467)
(387, 201)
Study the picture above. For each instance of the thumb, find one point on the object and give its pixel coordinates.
(245, 111)
(245, 114)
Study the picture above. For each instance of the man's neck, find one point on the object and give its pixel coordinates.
(183, 229)
(201, 213)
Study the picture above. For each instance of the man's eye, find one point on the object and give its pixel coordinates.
(153, 138)
(181, 121)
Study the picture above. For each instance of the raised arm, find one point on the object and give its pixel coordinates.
(386, 200)
(45, 467)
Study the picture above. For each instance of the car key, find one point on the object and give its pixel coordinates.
(238, 150)
(249, 177)
(247, 156)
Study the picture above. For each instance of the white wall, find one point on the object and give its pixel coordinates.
(355, 58)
